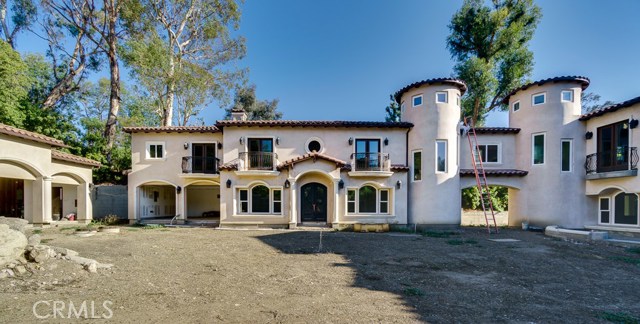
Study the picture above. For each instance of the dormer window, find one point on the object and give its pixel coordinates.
(538, 99)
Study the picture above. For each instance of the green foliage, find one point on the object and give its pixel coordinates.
(14, 86)
(489, 45)
(245, 98)
(392, 110)
(499, 198)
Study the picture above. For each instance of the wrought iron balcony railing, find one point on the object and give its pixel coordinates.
(370, 162)
(621, 159)
(200, 164)
(258, 161)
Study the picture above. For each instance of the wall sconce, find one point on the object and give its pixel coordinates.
(341, 184)
(633, 123)
(588, 135)
(287, 184)
(398, 184)
(350, 140)
(386, 141)
(277, 140)
(178, 189)
(186, 145)
(241, 140)
(219, 146)
(228, 183)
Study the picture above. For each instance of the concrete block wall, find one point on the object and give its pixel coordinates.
(109, 199)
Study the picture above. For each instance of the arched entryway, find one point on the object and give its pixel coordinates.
(313, 202)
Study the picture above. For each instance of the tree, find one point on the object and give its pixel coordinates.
(14, 85)
(24, 13)
(489, 45)
(393, 111)
(245, 99)
(194, 46)
(591, 102)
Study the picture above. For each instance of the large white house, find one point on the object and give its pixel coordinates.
(561, 167)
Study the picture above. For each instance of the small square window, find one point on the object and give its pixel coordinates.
(516, 106)
(155, 150)
(417, 100)
(538, 99)
(567, 96)
(441, 97)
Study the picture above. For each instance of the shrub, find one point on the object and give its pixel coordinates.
(111, 219)
(499, 198)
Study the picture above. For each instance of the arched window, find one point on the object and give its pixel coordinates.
(368, 200)
(626, 209)
(260, 199)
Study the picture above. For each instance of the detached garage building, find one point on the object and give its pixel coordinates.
(40, 183)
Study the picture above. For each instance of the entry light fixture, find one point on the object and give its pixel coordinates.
(350, 140)
(228, 183)
(219, 146)
(241, 140)
(398, 184)
(341, 184)
(588, 135)
(186, 145)
(277, 140)
(178, 189)
(633, 123)
(386, 141)
(287, 184)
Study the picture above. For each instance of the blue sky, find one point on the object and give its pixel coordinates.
(340, 60)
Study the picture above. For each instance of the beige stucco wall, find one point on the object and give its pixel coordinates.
(548, 195)
(436, 198)
(506, 151)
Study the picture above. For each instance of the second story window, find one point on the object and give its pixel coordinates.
(489, 153)
(367, 155)
(441, 97)
(538, 148)
(441, 156)
(516, 106)
(260, 153)
(417, 165)
(567, 96)
(417, 100)
(538, 99)
(155, 150)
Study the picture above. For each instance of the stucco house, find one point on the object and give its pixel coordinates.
(561, 167)
(40, 183)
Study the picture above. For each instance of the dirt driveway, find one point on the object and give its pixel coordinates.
(205, 275)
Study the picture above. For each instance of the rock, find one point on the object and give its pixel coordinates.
(11, 265)
(91, 267)
(64, 251)
(80, 260)
(41, 253)
(7, 273)
(34, 239)
(17, 224)
(12, 244)
(20, 270)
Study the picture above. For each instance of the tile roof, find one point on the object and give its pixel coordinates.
(582, 80)
(312, 123)
(448, 81)
(36, 137)
(61, 156)
(315, 156)
(399, 168)
(171, 129)
(495, 173)
(497, 130)
(611, 108)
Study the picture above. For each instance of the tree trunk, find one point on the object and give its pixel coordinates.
(167, 117)
(3, 20)
(61, 88)
(114, 98)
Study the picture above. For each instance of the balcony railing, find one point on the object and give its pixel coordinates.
(200, 164)
(622, 159)
(258, 161)
(370, 162)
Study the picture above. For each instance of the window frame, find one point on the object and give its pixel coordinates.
(413, 100)
(498, 153)
(446, 152)
(458, 100)
(608, 210)
(155, 143)
(413, 166)
(544, 148)
(378, 202)
(612, 209)
(311, 139)
(249, 189)
(533, 98)
(570, 91)
(402, 108)
(513, 106)
(570, 141)
(446, 96)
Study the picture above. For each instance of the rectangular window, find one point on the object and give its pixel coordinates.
(458, 100)
(613, 151)
(260, 156)
(384, 201)
(567, 95)
(441, 156)
(605, 210)
(417, 100)
(244, 201)
(402, 108)
(351, 201)
(489, 153)
(441, 97)
(367, 155)
(417, 166)
(538, 148)
(277, 201)
(155, 150)
(516, 106)
(538, 99)
(367, 198)
(566, 155)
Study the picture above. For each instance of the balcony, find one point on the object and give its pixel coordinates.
(263, 163)
(200, 165)
(622, 162)
(370, 164)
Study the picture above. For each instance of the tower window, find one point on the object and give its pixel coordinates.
(567, 95)
(417, 100)
(441, 97)
(538, 99)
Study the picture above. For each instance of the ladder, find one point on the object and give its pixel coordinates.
(481, 178)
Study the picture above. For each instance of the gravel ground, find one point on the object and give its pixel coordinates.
(206, 275)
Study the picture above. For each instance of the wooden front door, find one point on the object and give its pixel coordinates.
(313, 203)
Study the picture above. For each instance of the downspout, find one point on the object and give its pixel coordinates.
(406, 159)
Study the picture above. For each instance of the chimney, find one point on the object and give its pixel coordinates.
(238, 114)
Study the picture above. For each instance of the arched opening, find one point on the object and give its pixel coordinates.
(472, 213)
(65, 194)
(156, 200)
(16, 183)
(617, 207)
(202, 201)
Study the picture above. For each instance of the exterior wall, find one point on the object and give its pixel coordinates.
(506, 151)
(546, 191)
(109, 200)
(436, 198)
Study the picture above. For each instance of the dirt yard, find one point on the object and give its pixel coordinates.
(206, 275)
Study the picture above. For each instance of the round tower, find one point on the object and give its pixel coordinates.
(551, 147)
(433, 106)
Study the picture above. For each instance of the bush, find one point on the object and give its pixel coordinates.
(499, 198)
(111, 219)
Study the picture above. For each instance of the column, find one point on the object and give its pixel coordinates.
(41, 200)
(84, 211)
(336, 203)
(293, 205)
